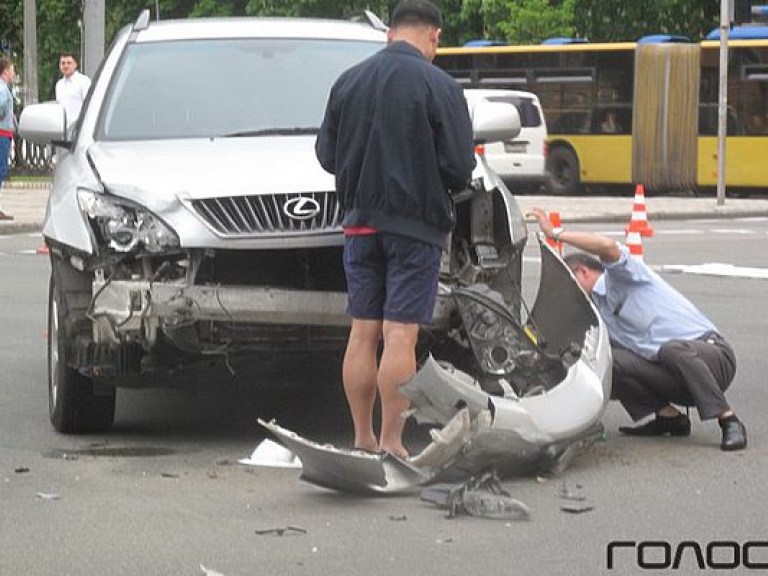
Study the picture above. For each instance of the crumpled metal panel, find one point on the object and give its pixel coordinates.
(551, 382)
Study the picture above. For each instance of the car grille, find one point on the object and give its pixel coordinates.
(268, 214)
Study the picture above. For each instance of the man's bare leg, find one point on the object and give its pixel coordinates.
(397, 366)
(359, 376)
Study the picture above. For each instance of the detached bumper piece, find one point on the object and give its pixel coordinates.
(349, 470)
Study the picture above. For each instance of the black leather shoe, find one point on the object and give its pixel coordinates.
(734, 435)
(678, 425)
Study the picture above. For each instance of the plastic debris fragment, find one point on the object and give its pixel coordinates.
(48, 496)
(271, 454)
(574, 501)
(481, 496)
(288, 530)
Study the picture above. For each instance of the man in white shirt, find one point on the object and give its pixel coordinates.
(72, 88)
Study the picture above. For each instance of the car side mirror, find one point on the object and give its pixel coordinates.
(44, 124)
(494, 121)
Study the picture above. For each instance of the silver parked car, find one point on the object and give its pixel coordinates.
(189, 219)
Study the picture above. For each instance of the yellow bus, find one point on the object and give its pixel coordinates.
(598, 133)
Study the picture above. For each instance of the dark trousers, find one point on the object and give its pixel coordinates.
(686, 373)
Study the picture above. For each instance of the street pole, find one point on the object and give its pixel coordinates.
(93, 35)
(722, 100)
(30, 52)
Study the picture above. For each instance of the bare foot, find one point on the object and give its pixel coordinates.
(398, 451)
(369, 445)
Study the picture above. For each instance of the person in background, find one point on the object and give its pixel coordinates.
(610, 125)
(665, 351)
(7, 124)
(72, 87)
(757, 124)
(397, 135)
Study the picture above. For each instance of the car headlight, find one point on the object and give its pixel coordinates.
(125, 226)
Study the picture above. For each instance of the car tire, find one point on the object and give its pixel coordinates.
(564, 172)
(73, 404)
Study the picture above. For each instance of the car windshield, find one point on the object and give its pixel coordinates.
(215, 88)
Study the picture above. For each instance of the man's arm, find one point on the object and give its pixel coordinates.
(455, 142)
(603, 247)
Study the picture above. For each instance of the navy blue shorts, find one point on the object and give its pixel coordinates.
(391, 277)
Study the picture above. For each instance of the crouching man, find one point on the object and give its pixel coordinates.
(665, 351)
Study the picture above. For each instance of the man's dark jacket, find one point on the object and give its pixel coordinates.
(398, 136)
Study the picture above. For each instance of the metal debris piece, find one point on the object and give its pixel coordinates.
(168, 475)
(287, 531)
(481, 496)
(402, 518)
(21, 470)
(48, 495)
(574, 501)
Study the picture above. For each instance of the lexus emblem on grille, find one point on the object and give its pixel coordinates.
(301, 208)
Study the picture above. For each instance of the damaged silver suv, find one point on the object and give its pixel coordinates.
(189, 219)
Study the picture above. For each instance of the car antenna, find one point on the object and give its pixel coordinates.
(142, 22)
(374, 21)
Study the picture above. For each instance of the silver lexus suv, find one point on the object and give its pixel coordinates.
(190, 221)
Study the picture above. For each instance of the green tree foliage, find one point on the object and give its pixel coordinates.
(619, 20)
(11, 17)
(519, 21)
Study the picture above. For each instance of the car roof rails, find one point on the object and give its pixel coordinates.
(372, 20)
(664, 39)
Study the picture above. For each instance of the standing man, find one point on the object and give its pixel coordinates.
(397, 135)
(665, 351)
(72, 87)
(7, 124)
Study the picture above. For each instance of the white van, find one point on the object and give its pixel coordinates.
(522, 160)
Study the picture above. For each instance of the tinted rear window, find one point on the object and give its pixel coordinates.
(529, 113)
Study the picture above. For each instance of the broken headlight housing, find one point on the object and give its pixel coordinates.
(124, 226)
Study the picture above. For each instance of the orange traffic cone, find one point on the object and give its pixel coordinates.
(639, 214)
(554, 219)
(634, 239)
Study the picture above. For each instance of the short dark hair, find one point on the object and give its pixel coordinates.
(416, 12)
(68, 55)
(4, 63)
(576, 259)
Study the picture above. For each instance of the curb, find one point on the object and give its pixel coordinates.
(682, 215)
(21, 228)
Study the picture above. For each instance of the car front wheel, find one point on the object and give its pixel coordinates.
(74, 404)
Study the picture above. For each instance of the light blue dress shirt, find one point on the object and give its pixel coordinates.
(642, 311)
(7, 122)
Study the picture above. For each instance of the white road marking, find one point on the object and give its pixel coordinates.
(717, 269)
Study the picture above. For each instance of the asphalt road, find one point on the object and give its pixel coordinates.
(164, 494)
